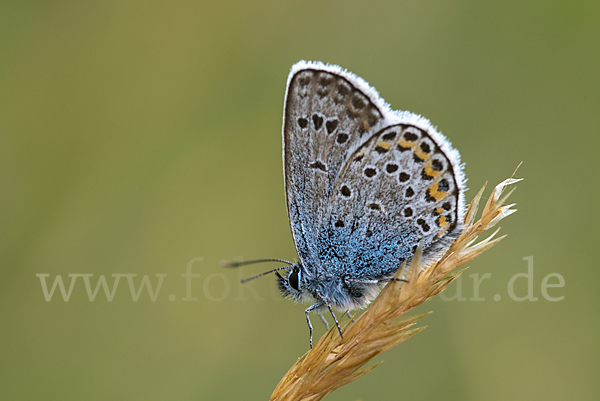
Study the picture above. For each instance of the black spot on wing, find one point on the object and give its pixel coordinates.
(331, 125)
(318, 165)
(391, 168)
(317, 121)
(342, 138)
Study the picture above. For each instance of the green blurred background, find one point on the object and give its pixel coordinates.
(140, 137)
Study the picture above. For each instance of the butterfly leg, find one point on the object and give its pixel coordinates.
(325, 322)
(349, 316)
(306, 312)
(397, 279)
(387, 280)
(336, 321)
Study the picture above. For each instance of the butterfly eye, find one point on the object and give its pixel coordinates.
(293, 279)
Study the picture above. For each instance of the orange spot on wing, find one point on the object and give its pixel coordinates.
(443, 223)
(384, 145)
(435, 192)
(406, 144)
(430, 171)
(421, 155)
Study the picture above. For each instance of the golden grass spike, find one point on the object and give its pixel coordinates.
(473, 206)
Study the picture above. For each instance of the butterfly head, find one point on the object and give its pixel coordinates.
(295, 284)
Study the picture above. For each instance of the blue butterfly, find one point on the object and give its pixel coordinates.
(364, 186)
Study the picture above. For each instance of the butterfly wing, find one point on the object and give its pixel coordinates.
(401, 186)
(328, 114)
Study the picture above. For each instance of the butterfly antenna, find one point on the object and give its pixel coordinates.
(265, 273)
(226, 263)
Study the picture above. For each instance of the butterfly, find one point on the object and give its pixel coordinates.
(364, 184)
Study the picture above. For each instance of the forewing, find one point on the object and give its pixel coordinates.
(326, 118)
